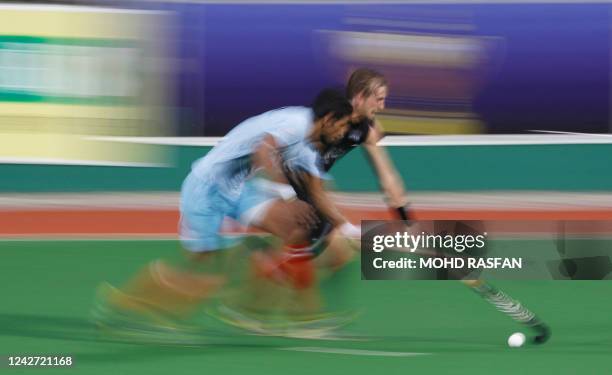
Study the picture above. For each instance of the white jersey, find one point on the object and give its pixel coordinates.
(229, 164)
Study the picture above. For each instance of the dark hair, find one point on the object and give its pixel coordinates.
(364, 80)
(331, 101)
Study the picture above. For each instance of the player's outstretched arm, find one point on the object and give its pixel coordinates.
(389, 180)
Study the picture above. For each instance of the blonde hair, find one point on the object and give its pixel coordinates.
(364, 80)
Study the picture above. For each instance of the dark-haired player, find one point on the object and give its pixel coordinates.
(233, 180)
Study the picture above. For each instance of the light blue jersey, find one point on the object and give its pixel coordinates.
(229, 163)
(219, 183)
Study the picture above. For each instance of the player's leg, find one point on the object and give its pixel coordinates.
(165, 291)
(284, 283)
(179, 289)
(274, 274)
(286, 220)
(289, 220)
(290, 285)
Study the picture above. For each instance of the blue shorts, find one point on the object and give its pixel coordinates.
(204, 206)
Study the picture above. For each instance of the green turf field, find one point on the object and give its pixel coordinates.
(48, 289)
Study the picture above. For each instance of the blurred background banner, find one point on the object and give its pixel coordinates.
(104, 83)
(68, 73)
(453, 67)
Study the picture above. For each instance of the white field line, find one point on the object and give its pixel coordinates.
(402, 140)
(536, 200)
(375, 353)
